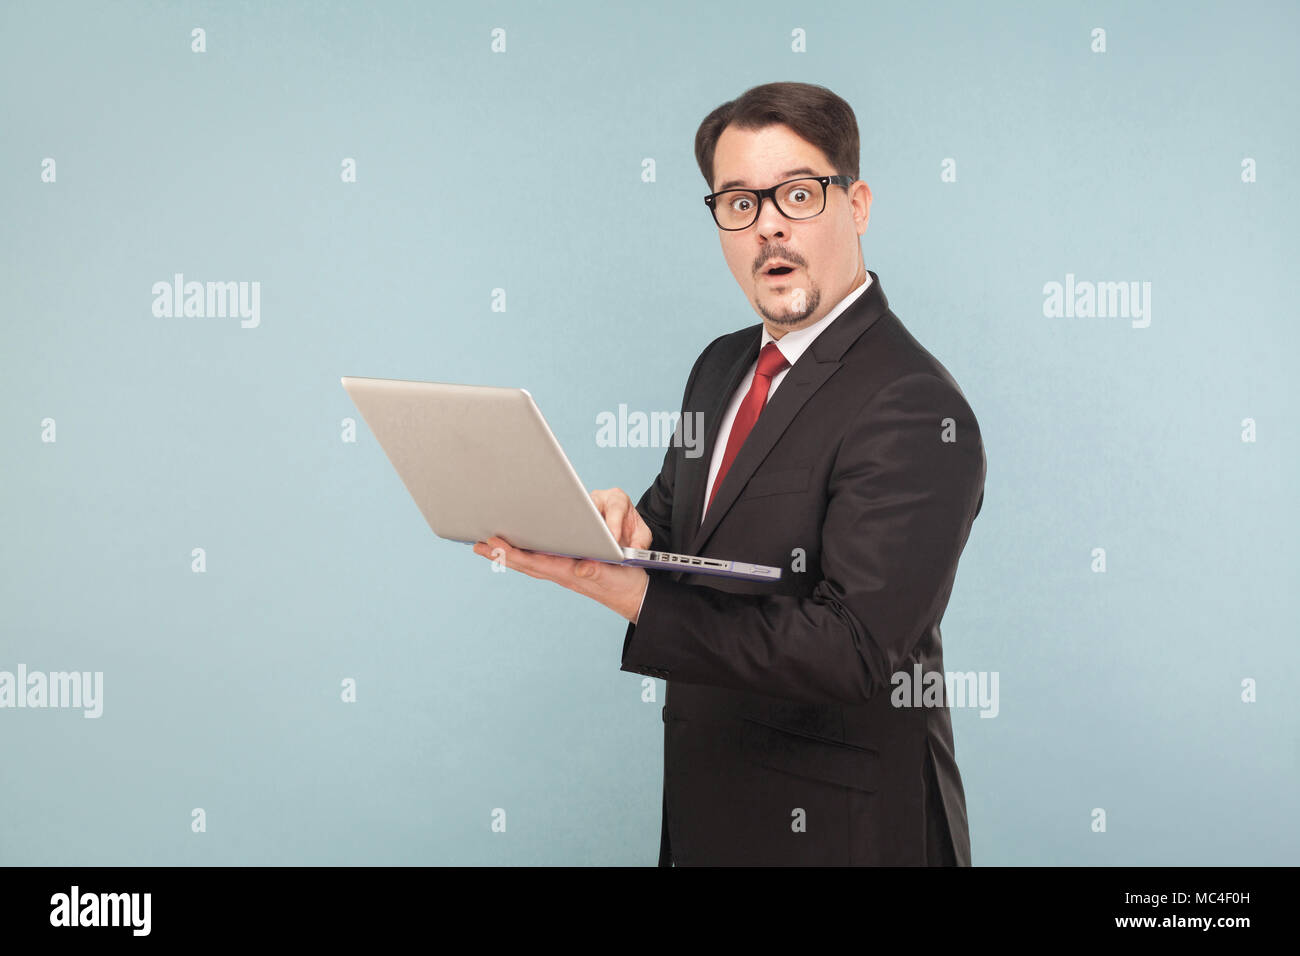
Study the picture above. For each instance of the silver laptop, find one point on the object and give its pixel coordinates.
(481, 461)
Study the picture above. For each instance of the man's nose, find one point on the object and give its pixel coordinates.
(770, 221)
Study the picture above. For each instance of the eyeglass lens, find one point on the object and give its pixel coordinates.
(801, 199)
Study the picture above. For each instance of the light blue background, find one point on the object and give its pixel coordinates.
(522, 171)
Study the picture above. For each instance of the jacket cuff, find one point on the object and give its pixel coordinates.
(639, 655)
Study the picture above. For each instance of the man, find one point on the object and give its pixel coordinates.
(840, 450)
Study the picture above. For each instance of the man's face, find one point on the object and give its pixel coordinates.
(824, 250)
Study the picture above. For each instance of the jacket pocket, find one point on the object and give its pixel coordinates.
(777, 482)
(819, 759)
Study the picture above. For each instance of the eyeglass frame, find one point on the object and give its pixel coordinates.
(770, 193)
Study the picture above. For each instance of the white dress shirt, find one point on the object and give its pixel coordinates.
(791, 345)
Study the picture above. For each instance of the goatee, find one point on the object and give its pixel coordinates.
(792, 318)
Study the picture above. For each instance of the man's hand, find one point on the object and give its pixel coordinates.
(618, 588)
(624, 521)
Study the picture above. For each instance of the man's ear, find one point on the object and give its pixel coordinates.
(860, 197)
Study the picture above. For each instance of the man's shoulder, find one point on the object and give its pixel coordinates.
(889, 354)
(729, 343)
(884, 355)
(719, 354)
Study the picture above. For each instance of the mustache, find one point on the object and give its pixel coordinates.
(792, 260)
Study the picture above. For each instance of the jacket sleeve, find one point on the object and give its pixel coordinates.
(900, 503)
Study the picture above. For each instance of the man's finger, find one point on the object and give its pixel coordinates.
(535, 564)
(631, 525)
(615, 513)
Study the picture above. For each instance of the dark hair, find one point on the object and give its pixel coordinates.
(813, 112)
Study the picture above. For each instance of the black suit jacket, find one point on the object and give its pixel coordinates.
(860, 479)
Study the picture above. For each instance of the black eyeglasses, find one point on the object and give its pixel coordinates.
(735, 209)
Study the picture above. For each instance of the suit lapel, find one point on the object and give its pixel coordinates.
(695, 476)
(799, 385)
(817, 364)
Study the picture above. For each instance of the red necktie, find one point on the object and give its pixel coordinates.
(770, 361)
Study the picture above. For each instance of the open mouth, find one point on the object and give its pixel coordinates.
(779, 271)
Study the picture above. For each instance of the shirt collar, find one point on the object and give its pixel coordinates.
(794, 344)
